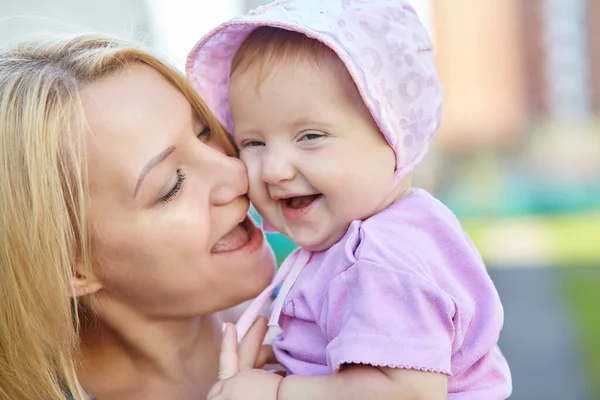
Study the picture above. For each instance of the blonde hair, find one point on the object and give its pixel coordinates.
(43, 201)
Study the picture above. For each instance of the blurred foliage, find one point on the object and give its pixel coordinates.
(582, 292)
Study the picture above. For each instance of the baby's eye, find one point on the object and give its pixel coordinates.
(252, 143)
(310, 136)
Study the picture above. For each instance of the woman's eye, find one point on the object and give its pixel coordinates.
(204, 134)
(175, 189)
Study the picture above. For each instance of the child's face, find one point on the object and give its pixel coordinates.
(316, 159)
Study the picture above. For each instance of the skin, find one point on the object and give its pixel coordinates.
(239, 380)
(320, 140)
(163, 262)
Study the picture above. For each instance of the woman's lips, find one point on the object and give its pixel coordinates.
(237, 238)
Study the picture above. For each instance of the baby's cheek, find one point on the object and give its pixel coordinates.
(253, 167)
(257, 193)
(246, 157)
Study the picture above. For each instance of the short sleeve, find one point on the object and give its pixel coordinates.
(387, 317)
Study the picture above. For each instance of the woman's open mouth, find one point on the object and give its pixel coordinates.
(237, 238)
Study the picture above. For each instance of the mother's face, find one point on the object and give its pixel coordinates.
(168, 207)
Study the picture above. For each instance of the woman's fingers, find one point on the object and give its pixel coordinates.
(249, 350)
(228, 360)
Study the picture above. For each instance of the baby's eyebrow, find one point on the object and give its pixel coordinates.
(304, 121)
(246, 132)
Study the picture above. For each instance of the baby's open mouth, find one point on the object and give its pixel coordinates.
(299, 202)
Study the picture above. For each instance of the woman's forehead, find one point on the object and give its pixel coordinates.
(135, 104)
(132, 116)
(133, 90)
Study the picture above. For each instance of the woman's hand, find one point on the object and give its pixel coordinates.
(239, 378)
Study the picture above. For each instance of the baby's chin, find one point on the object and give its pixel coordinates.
(318, 243)
(312, 239)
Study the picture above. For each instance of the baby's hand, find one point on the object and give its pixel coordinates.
(238, 379)
(254, 384)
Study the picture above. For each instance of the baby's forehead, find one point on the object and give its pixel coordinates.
(306, 86)
(272, 52)
(294, 97)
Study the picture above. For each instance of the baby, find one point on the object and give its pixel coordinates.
(332, 105)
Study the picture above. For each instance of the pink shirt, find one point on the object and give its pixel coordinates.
(405, 288)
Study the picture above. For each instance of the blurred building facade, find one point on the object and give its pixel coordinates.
(510, 63)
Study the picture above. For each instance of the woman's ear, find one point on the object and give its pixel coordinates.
(85, 282)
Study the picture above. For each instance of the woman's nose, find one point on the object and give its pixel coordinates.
(230, 179)
(277, 167)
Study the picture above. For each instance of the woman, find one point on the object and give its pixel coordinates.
(123, 226)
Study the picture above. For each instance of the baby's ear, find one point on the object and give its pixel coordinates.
(84, 282)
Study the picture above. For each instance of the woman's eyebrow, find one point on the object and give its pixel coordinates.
(154, 161)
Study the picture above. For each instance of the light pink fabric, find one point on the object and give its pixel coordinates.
(382, 43)
(405, 288)
(288, 272)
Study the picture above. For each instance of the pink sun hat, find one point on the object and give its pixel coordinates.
(382, 43)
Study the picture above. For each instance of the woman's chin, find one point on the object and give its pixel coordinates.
(260, 275)
(263, 274)
(251, 274)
